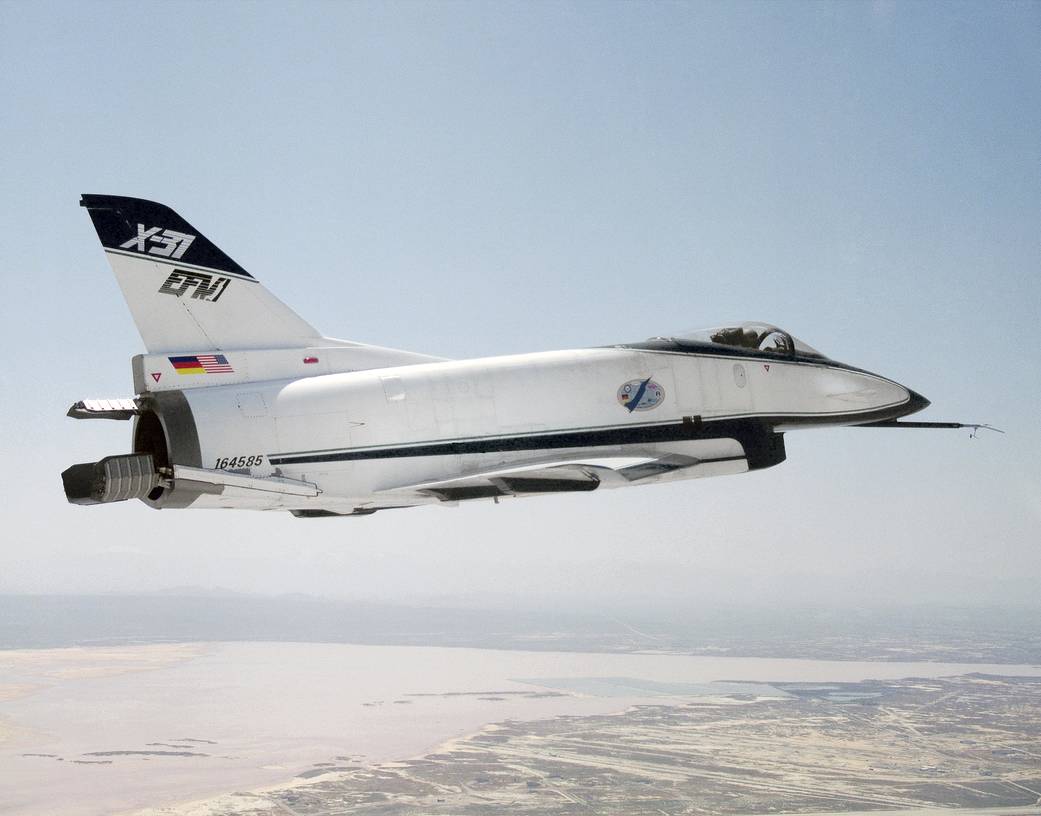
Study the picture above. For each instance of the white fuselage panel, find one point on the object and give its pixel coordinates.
(357, 435)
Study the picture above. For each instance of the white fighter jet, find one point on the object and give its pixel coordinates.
(242, 403)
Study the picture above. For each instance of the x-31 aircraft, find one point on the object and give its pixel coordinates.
(242, 403)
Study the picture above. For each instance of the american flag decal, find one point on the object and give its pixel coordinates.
(202, 364)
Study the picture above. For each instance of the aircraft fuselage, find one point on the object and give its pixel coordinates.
(365, 438)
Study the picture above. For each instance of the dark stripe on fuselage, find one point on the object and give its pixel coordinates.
(670, 432)
(692, 427)
(763, 447)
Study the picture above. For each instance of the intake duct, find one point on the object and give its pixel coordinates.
(114, 478)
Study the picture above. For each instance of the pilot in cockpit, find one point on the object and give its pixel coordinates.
(775, 342)
(769, 339)
(760, 337)
(736, 336)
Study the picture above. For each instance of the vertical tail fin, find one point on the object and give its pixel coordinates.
(184, 293)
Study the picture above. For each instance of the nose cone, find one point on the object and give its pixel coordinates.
(915, 403)
(852, 391)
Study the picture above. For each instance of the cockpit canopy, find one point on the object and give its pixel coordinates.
(756, 337)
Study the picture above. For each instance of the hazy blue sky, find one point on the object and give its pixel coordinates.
(478, 179)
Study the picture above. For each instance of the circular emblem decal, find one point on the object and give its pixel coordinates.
(640, 395)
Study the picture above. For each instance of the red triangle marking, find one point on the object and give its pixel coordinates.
(766, 366)
(156, 375)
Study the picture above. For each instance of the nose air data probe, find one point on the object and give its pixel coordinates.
(241, 403)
